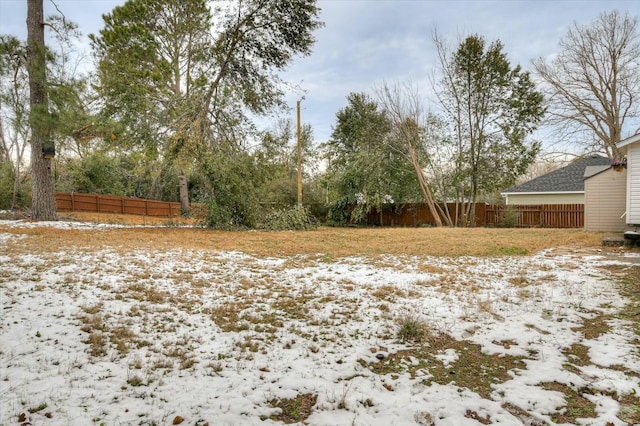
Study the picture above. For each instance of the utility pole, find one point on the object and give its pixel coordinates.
(299, 158)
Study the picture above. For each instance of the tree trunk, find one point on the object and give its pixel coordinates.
(184, 193)
(16, 184)
(43, 202)
(426, 192)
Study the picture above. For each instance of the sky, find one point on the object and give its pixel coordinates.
(367, 42)
(308, 324)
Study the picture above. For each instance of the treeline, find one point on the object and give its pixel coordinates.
(167, 112)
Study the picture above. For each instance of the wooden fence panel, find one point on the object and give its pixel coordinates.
(527, 216)
(539, 215)
(99, 203)
(563, 215)
(418, 214)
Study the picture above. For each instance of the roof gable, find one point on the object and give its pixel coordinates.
(566, 179)
(591, 171)
(630, 140)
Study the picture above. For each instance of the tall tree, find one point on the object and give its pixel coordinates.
(593, 83)
(365, 162)
(43, 202)
(37, 91)
(492, 108)
(197, 71)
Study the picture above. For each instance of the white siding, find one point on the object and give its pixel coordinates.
(633, 184)
(557, 198)
(605, 201)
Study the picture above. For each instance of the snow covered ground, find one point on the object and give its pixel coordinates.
(208, 337)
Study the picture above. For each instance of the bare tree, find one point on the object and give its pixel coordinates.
(406, 112)
(43, 202)
(543, 166)
(593, 84)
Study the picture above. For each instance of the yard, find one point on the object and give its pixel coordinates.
(107, 322)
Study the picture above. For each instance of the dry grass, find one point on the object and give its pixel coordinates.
(473, 369)
(330, 242)
(123, 219)
(294, 410)
(577, 406)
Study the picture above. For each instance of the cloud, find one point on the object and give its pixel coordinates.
(367, 41)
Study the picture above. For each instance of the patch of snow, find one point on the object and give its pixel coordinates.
(327, 315)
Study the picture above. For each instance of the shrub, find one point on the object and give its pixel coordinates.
(232, 215)
(509, 217)
(7, 180)
(6, 185)
(230, 191)
(339, 212)
(296, 218)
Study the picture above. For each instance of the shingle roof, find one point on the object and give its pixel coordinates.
(566, 179)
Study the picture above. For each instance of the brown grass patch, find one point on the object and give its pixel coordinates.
(576, 405)
(578, 355)
(473, 369)
(332, 242)
(294, 410)
(388, 293)
(629, 409)
(470, 414)
(629, 281)
(593, 328)
(124, 219)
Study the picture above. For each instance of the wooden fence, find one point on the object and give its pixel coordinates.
(539, 216)
(98, 203)
(419, 214)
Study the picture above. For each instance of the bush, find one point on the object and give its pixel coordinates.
(296, 218)
(6, 185)
(234, 214)
(23, 196)
(509, 217)
(339, 212)
(228, 190)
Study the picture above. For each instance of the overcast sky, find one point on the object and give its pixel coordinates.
(366, 42)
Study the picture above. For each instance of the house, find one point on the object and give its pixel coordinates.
(562, 186)
(631, 148)
(605, 189)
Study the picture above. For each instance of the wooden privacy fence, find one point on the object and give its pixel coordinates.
(98, 203)
(540, 216)
(537, 215)
(417, 214)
